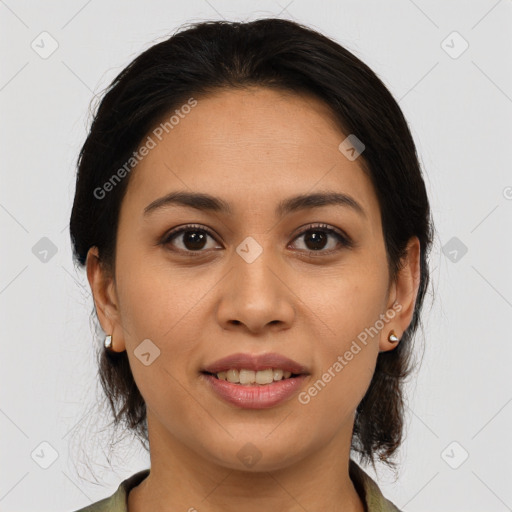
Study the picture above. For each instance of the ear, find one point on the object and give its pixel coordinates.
(402, 295)
(105, 299)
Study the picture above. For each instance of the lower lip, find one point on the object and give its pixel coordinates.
(257, 396)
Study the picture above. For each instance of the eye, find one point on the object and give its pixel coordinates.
(316, 238)
(193, 238)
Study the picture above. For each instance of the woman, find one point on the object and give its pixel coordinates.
(255, 228)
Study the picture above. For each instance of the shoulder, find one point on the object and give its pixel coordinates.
(369, 490)
(117, 502)
(104, 505)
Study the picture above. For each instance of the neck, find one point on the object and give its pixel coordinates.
(182, 480)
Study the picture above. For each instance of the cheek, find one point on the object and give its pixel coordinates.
(344, 370)
(350, 309)
(165, 306)
(163, 309)
(157, 300)
(347, 300)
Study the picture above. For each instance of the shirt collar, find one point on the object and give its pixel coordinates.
(366, 487)
(369, 491)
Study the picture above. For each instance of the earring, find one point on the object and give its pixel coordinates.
(393, 337)
(108, 343)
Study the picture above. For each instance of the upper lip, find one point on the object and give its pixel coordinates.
(256, 362)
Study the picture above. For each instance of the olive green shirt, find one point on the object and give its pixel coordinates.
(366, 487)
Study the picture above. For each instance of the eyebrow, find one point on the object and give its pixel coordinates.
(207, 202)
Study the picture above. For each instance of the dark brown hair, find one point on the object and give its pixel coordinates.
(274, 53)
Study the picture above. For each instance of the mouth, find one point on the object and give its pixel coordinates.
(255, 381)
(246, 377)
(259, 368)
(254, 395)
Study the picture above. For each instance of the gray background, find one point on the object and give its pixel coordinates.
(459, 107)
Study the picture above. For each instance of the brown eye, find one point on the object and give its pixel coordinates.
(194, 240)
(320, 239)
(189, 238)
(317, 238)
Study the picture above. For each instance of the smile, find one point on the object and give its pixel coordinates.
(247, 377)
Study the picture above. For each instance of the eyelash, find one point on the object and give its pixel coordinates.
(344, 240)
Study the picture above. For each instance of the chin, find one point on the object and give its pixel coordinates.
(254, 456)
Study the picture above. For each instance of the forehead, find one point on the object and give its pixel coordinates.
(252, 147)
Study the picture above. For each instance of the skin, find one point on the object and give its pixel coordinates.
(253, 148)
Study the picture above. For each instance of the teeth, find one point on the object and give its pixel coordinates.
(232, 375)
(247, 377)
(263, 376)
(278, 374)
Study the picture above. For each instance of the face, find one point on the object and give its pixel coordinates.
(195, 284)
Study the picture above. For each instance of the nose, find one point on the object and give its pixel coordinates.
(256, 296)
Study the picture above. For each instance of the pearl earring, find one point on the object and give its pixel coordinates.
(108, 343)
(393, 338)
